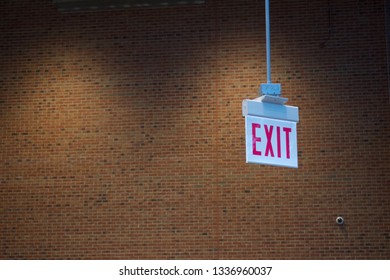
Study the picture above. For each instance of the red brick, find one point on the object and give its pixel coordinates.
(122, 136)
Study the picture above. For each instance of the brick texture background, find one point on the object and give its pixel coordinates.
(122, 136)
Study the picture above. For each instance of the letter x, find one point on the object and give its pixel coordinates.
(268, 133)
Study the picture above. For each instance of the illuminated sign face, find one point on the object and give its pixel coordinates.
(271, 141)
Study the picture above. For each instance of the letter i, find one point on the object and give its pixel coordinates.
(279, 144)
(287, 130)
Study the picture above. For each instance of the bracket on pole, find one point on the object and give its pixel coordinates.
(270, 89)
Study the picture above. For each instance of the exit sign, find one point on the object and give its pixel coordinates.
(271, 141)
(270, 133)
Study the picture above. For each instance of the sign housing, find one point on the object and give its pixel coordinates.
(270, 133)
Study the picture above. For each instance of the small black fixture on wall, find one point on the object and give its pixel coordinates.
(340, 221)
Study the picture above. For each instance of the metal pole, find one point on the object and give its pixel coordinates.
(269, 88)
(268, 41)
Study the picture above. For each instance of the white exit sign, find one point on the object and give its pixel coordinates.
(271, 141)
(271, 133)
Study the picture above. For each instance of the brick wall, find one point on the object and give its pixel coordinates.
(122, 137)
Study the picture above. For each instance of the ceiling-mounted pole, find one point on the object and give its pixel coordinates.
(269, 88)
(268, 41)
